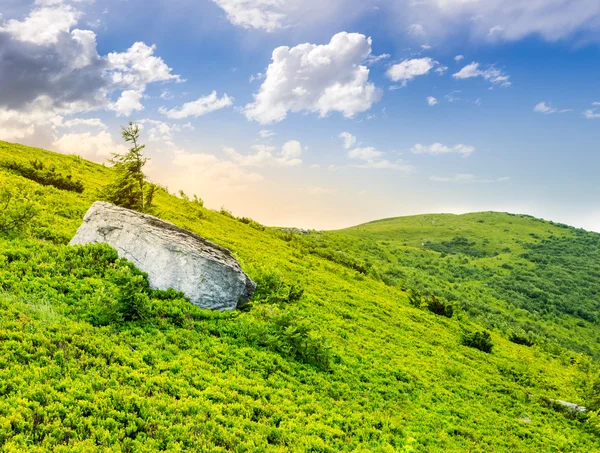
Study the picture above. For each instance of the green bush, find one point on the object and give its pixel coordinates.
(478, 340)
(521, 338)
(17, 208)
(37, 171)
(288, 333)
(434, 305)
(271, 289)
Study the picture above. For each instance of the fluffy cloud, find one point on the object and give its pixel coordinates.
(201, 106)
(161, 133)
(493, 75)
(409, 69)
(267, 15)
(199, 172)
(349, 139)
(369, 157)
(265, 156)
(465, 178)
(48, 68)
(490, 20)
(367, 154)
(432, 101)
(43, 25)
(547, 109)
(128, 102)
(316, 78)
(438, 148)
(459, 58)
(96, 147)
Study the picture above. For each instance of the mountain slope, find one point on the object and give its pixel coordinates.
(349, 366)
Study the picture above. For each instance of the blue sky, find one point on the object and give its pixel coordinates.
(443, 106)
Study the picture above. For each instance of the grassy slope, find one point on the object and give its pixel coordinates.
(400, 380)
(522, 274)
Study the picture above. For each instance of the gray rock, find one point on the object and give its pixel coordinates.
(172, 257)
(574, 407)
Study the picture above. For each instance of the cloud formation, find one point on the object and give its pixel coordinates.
(438, 148)
(316, 78)
(486, 20)
(547, 109)
(349, 139)
(199, 107)
(48, 68)
(491, 74)
(432, 101)
(409, 69)
(265, 156)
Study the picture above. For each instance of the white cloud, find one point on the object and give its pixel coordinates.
(595, 103)
(89, 122)
(137, 67)
(487, 20)
(43, 25)
(493, 75)
(367, 153)
(98, 147)
(128, 103)
(512, 19)
(264, 156)
(267, 15)
(206, 172)
(459, 58)
(316, 78)
(432, 101)
(438, 148)
(547, 109)
(201, 106)
(591, 114)
(162, 133)
(370, 158)
(466, 178)
(49, 69)
(409, 69)
(349, 139)
(265, 133)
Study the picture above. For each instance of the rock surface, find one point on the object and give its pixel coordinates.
(172, 257)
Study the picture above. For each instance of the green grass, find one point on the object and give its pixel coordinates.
(348, 366)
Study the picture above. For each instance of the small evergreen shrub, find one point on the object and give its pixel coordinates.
(478, 340)
(440, 308)
(37, 171)
(521, 338)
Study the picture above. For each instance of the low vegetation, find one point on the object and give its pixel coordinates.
(357, 340)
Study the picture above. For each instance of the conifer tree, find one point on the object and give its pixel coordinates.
(130, 188)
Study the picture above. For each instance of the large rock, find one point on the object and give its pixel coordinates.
(172, 257)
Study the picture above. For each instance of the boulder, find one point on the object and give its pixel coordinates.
(171, 256)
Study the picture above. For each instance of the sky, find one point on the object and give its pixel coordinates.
(321, 114)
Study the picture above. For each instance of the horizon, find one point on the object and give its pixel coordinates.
(321, 116)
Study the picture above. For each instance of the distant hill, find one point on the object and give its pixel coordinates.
(349, 345)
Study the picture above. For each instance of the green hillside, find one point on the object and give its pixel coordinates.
(337, 352)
